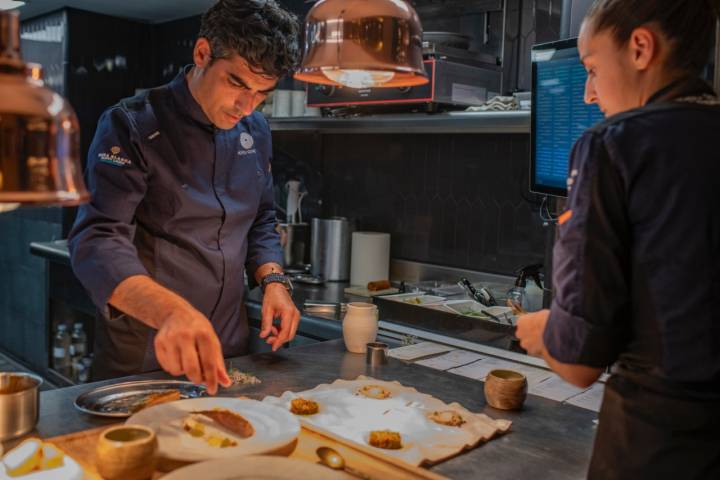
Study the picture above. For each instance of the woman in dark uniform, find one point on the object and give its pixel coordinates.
(637, 261)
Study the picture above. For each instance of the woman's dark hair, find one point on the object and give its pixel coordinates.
(260, 31)
(688, 24)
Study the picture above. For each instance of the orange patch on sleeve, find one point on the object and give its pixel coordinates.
(565, 217)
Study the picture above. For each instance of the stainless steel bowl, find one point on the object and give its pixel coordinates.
(19, 403)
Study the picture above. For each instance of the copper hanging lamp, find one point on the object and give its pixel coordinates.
(362, 44)
(39, 133)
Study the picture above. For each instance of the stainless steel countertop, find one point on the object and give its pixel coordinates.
(548, 440)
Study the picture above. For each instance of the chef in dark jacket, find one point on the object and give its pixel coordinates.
(637, 261)
(182, 206)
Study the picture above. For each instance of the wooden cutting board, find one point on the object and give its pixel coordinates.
(81, 446)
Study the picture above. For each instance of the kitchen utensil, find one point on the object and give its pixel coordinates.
(505, 389)
(255, 467)
(483, 295)
(376, 353)
(19, 403)
(274, 427)
(360, 326)
(334, 460)
(370, 258)
(293, 200)
(330, 249)
(496, 318)
(324, 307)
(297, 244)
(306, 278)
(118, 399)
(126, 452)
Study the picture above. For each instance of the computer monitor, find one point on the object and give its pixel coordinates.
(559, 114)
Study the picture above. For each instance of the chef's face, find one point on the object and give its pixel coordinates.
(611, 75)
(227, 89)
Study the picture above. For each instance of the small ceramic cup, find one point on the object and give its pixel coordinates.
(126, 452)
(505, 389)
(360, 326)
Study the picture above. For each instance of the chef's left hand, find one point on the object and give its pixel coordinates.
(530, 329)
(277, 303)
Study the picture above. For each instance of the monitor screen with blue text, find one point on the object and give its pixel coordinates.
(559, 114)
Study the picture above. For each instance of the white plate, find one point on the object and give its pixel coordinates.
(255, 467)
(69, 471)
(274, 428)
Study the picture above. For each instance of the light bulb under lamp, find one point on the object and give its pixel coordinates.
(358, 78)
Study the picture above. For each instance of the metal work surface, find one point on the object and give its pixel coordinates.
(548, 440)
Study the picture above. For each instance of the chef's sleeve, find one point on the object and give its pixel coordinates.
(590, 317)
(101, 241)
(263, 237)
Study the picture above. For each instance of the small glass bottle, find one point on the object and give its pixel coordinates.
(78, 370)
(84, 377)
(61, 350)
(78, 344)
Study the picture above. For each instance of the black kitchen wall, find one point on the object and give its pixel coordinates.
(458, 200)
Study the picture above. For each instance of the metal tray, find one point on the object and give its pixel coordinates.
(116, 400)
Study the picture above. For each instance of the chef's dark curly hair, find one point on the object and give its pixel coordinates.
(260, 31)
(688, 24)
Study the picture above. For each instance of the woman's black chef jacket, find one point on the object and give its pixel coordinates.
(637, 283)
(179, 200)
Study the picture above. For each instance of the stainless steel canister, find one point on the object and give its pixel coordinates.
(330, 248)
(19, 403)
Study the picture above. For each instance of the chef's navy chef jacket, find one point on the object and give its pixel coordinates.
(181, 201)
(637, 283)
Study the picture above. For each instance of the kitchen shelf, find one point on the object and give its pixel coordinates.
(453, 122)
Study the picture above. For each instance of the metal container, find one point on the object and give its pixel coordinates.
(330, 248)
(19, 403)
(376, 354)
(296, 244)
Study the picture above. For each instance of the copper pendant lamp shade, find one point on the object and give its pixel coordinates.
(39, 133)
(363, 43)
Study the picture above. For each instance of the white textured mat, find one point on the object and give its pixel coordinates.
(345, 413)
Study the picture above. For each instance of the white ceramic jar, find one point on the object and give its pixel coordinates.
(360, 326)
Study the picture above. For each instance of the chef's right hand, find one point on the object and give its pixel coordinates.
(187, 344)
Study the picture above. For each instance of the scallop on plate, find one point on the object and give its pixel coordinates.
(200, 429)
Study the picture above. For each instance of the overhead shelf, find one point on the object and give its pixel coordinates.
(453, 122)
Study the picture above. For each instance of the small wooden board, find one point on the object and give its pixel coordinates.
(81, 446)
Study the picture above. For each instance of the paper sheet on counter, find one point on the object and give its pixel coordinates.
(479, 370)
(590, 399)
(418, 350)
(452, 359)
(555, 388)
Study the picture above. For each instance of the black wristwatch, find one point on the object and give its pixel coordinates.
(276, 278)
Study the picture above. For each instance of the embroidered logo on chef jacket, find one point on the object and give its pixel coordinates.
(114, 157)
(246, 142)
